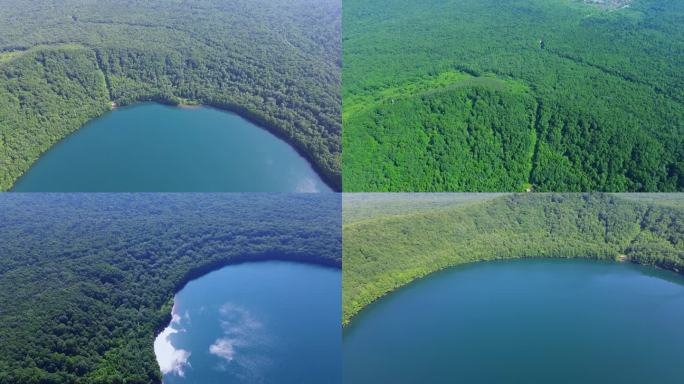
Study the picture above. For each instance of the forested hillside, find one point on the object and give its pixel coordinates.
(389, 250)
(276, 62)
(485, 95)
(363, 206)
(86, 280)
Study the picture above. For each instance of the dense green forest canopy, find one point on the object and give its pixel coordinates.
(508, 95)
(411, 236)
(276, 62)
(86, 280)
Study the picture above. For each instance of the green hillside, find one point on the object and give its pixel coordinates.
(484, 95)
(87, 280)
(63, 63)
(391, 248)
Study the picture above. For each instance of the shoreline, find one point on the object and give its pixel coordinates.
(170, 304)
(347, 320)
(192, 104)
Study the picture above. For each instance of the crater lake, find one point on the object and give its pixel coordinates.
(257, 322)
(157, 148)
(523, 321)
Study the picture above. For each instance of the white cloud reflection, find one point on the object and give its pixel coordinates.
(171, 359)
(242, 343)
(307, 185)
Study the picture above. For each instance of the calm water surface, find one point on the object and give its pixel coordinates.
(157, 148)
(524, 321)
(264, 322)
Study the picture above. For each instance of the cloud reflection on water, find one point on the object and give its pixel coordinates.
(171, 359)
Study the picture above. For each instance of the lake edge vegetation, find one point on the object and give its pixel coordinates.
(88, 280)
(383, 253)
(276, 63)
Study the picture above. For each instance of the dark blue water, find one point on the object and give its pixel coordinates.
(157, 148)
(265, 322)
(524, 321)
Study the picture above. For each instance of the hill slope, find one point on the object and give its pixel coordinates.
(387, 251)
(86, 280)
(274, 62)
(485, 95)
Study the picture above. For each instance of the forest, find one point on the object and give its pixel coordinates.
(87, 280)
(275, 62)
(409, 236)
(513, 95)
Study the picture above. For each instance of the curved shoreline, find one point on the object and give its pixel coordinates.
(332, 181)
(515, 226)
(348, 320)
(237, 260)
(268, 256)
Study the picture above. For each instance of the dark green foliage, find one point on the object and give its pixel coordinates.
(44, 96)
(391, 248)
(274, 62)
(600, 106)
(445, 141)
(86, 279)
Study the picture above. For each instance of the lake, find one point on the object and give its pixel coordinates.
(261, 322)
(523, 321)
(158, 148)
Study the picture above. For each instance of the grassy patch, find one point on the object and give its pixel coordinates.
(426, 86)
(9, 55)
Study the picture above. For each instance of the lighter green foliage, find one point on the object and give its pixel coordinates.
(410, 236)
(595, 95)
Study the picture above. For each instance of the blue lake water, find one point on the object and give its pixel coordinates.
(523, 321)
(157, 148)
(263, 322)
